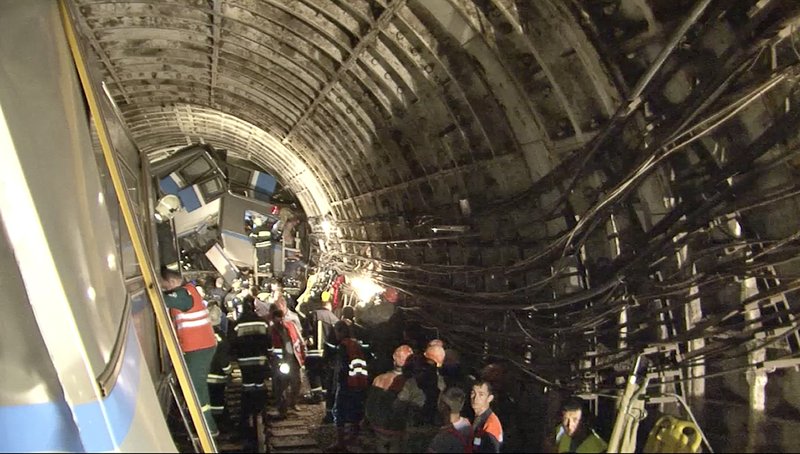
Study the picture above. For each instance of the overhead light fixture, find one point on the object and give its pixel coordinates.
(450, 228)
(463, 205)
(365, 288)
(166, 207)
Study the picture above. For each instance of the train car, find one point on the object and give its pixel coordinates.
(83, 358)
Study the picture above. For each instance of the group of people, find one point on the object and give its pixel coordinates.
(419, 405)
(268, 339)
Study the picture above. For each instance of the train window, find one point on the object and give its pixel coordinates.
(196, 170)
(211, 189)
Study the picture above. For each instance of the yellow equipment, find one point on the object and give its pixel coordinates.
(671, 434)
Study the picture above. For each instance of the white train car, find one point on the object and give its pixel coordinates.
(81, 351)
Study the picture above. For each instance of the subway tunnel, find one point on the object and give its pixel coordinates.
(557, 186)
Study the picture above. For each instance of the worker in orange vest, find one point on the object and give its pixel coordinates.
(195, 335)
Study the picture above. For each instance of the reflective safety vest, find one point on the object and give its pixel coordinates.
(357, 375)
(193, 326)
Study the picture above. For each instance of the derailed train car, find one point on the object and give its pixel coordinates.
(83, 358)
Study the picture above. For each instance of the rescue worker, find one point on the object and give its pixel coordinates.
(290, 355)
(359, 332)
(431, 383)
(351, 380)
(575, 434)
(262, 305)
(220, 373)
(252, 346)
(391, 400)
(320, 329)
(449, 366)
(218, 292)
(488, 432)
(195, 335)
(457, 435)
(308, 293)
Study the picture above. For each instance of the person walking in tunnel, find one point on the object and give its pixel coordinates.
(251, 343)
(432, 384)
(218, 293)
(486, 427)
(351, 380)
(358, 331)
(320, 330)
(278, 302)
(457, 435)
(195, 335)
(391, 400)
(290, 351)
(575, 433)
(220, 373)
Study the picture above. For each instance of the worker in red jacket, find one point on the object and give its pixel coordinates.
(289, 354)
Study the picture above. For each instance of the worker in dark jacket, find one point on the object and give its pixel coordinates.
(251, 343)
(220, 373)
(195, 335)
(320, 330)
(432, 383)
(457, 435)
(351, 380)
(488, 432)
(391, 401)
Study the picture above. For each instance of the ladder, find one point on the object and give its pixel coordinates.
(782, 324)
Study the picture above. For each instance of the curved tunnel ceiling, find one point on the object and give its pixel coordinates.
(620, 159)
(369, 95)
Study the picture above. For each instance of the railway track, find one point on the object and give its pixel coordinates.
(296, 433)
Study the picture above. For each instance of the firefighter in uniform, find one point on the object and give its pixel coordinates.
(195, 335)
(220, 373)
(251, 343)
(320, 330)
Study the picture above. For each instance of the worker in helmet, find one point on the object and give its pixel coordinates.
(250, 343)
(391, 401)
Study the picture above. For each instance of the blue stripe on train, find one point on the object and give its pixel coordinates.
(49, 426)
(38, 427)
